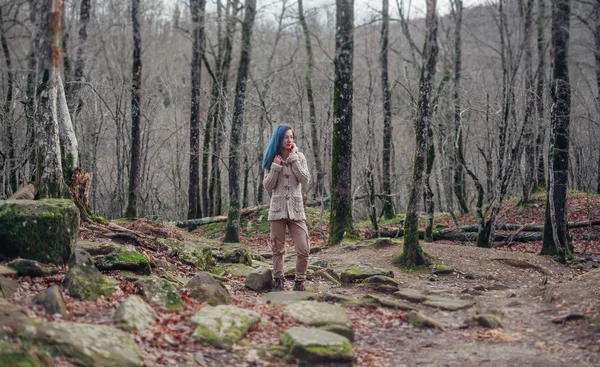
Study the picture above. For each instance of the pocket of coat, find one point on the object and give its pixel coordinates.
(298, 205)
(277, 203)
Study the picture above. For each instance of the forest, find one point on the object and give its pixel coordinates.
(456, 144)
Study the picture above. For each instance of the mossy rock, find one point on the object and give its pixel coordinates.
(217, 270)
(96, 248)
(224, 325)
(386, 302)
(160, 292)
(361, 272)
(42, 230)
(238, 255)
(17, 359)
(442, 269)
(87, 283)
(487, 321)
(380, 283)
(197, 253)
(317, 313)
(316, 346)
(205, 288)
(125, 258)
(237, 270)
(419, 320)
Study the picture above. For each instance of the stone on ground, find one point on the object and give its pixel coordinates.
(52, 300)
(125, 258)
(164, 264)
(442, 269)
(6, 271)
(13, 316)
(32, 268)
(237, 270)
(87, 283)
(380, 283)
(449, 304)
(315, 345)
(488, 321)
(360, 272)
(160, 292)
(205, 288)
(80, 257)
(134, 314)
(193, 253)
(411, 295)
(224, 325)
(42, 230)
(8, 287)
(239, 255)
(11, 356)
(281, 298)
(260, 279)
(96, 248)
(345, 331)
(91, 345)
(326, 274)
(419, 320)
(387, 302)
(317, 313)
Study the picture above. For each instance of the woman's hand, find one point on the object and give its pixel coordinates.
(277, 159)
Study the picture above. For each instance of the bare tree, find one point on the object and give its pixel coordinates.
(526, 10)
(237, 125)
(73, 86)
(388, 208)
(131, 211)
(341, 151)
(8, 117)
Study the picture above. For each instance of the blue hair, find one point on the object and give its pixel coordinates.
(274, 147)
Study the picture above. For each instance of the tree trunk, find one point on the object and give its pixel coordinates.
(556, 240)
(428, 195)
(540, 177)
(528, 118)
(131, 211)
(319, 186)
(341, 144)
(197, 12)
(388, 208)
(237, 125)
(412, 253)
(74, 85)
(7, 108)
(459, 176)
(68, 140)
(49, 174)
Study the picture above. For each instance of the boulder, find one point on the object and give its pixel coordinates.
(449, 304)
(260, 279)
(124, 258)
(239, 255)
(380, 283)
(91, 345)
(7, 287)
(96, 248)
(160, 292)
(357, 273)
(237, 270)
(193, 253)
(205, 288)
(87, 283)
(134, 314)
(52, 300)
(345, 331)
(317, 313)
(42, 230)
(281, 298)
(32, 268)
(315, 345)
(224, 325)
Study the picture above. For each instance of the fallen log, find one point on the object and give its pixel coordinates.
(519, 227)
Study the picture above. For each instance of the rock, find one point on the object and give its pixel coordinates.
(324, 274)
(317, 313)
(24, 193)
(380, 283)
(12, 356)
(442, 269)
(315, 261)
(80, 257)
(497, 287)
(357, 273)
(87, 283)
(448, 304)
(164, 264)
(259, 257)
(315, 249)
(419, 320)
(7, 287)
(42, 230)
(224, 325)
(91, 345)
(411, 295)
(134, 314)
(193, 253)
(217, 270)
(280, 298)
(125, 258)
(13, 316)
(260, 264)
(6, 271)
(237, 270)
(484, 320)
(260, 279)
(342, 330)
(205, 288)
(32, 268)
(315, 345)
(52, 300)
(470, 276)
(96, 248)
(387, 302)
(239, 255)
(160, 292)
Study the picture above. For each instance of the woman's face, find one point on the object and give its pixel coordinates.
(288, 140)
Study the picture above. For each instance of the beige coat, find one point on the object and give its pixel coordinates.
(284, 183)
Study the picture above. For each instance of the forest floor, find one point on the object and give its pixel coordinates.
(546, 307)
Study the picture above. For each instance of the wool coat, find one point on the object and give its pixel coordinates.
(284, 182)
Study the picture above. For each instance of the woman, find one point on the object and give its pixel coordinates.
(286, 172)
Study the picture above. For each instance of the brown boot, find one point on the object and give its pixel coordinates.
(299, 285)
(279, 284)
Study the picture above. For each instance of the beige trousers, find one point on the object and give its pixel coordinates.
(299, 234)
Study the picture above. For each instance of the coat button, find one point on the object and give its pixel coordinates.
(286, 175)
(287, 198)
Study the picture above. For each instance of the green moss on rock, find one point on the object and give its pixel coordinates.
(87, 283)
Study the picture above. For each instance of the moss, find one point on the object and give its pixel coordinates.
(88, 283)
(18, 360)
(217, 270)
(206, 335)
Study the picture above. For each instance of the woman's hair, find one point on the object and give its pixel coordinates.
(274, 146)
